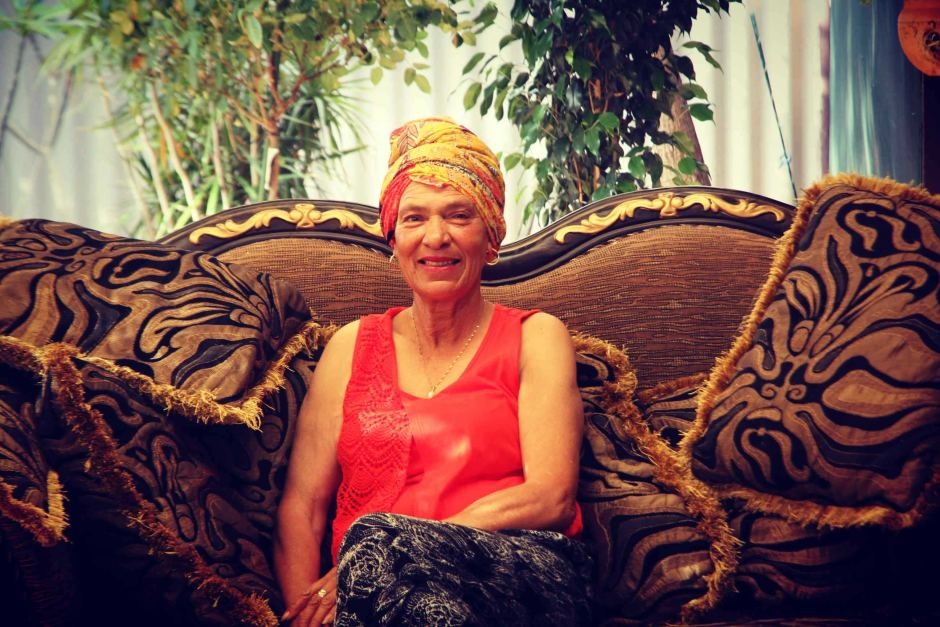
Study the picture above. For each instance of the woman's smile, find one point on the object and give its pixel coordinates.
(439, 262)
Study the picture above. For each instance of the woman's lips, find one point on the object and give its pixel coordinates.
(438, 262)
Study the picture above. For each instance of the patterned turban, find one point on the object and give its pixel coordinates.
(438, 150)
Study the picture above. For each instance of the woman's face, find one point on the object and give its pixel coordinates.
(440, 242)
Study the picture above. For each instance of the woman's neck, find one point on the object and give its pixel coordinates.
(442, 324)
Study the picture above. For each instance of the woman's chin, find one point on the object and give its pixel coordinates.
(443, 289)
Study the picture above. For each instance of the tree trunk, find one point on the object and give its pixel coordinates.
(681, 120)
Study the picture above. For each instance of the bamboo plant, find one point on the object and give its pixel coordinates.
(224, 103)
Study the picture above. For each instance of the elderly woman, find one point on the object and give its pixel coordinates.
(448, 432)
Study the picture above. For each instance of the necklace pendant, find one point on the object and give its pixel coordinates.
(430, 393)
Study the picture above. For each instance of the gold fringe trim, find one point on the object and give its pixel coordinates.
(886, 186)
(625, 382)
(21, 355)
(666, 388)
(55, 497)
(5, 222)
(104, 463)
(811, 514)
(197, 405)
(671, 470)
(47, 527)
(56, 360)
(804, 513)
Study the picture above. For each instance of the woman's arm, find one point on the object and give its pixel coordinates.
(313, 473)
(550, 429)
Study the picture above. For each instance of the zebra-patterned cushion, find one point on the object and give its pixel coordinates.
(654, 558)
(41, 586)
(826, 408)
(650, 556)
(182, 318)
(669, 407)
(153, 361)
(784, 564)
(781, 564)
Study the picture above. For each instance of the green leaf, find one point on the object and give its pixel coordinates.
(498, 105)
(487, 98)
(705, 50)
(687, 165)
(376, 75)
(692, 90)
(582, 67)
(609, 121)
(683, 141)
(637, 168)
(505, 41)
(253, 30)
(409, 75)
(701, 112)
(423, 84)
(487, 15)
(512, 160)
(592, 140)
(600, 193)
(471, 95)
(476, 58)
(657, 78)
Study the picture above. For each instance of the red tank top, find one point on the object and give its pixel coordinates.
(429, 458)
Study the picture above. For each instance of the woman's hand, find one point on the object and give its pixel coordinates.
(317, 605)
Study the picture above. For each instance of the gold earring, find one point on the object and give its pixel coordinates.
(494, 261)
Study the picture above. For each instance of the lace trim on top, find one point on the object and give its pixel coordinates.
(374, 445)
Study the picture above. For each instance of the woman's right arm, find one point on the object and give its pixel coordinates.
(313, 472)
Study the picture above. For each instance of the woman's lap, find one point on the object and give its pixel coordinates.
(399, 570)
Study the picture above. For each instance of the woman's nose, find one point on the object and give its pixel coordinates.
(436, 232)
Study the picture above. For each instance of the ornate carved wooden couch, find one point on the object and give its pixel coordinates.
(133, 483)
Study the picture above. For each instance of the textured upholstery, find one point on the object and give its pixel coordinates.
(176, 514)
(651, 292)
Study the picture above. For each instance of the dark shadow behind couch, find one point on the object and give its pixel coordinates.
(147, 392)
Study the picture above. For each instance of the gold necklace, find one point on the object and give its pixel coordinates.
(424, 361)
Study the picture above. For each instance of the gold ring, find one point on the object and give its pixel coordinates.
(321, 592)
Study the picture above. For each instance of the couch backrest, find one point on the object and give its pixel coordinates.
(667, 274)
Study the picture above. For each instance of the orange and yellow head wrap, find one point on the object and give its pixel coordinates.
(438, 151)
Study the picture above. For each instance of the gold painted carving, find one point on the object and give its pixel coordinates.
(668, 204)
(302, 215)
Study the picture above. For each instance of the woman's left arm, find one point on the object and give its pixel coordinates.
(550, 430)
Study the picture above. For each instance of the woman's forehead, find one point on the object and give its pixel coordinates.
(419, 194)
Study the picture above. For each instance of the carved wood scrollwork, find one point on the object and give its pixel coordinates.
(668, 204)
(301, 215)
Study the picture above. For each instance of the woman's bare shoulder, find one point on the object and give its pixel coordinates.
(336, 361)
(543, 326)
(344, 337)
